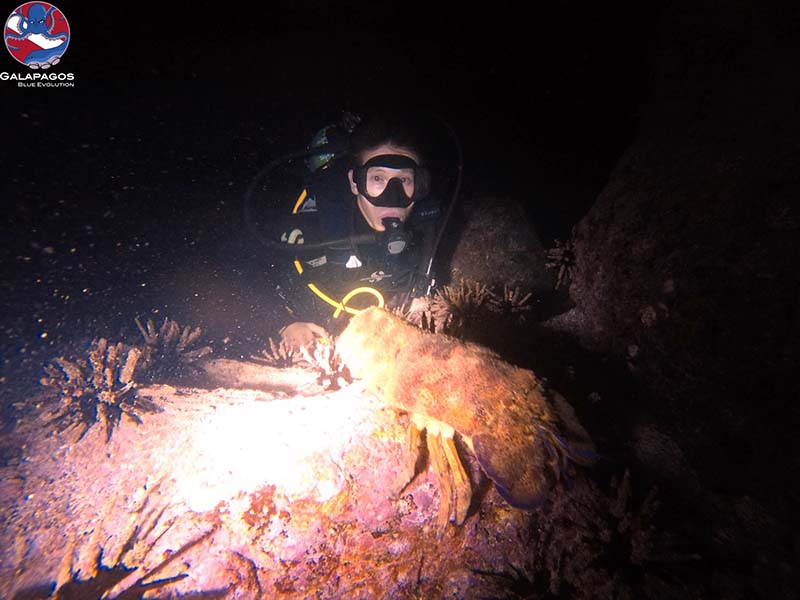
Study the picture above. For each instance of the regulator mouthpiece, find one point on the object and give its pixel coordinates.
(395, 236)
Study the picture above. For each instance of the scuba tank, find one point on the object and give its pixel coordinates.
(330, 141)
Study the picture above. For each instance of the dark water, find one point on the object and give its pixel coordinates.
(129, 210)
(122, 197)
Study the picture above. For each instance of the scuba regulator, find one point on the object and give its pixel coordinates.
(394, 237)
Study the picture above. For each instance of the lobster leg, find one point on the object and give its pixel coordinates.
(455, 490)
(462, 490)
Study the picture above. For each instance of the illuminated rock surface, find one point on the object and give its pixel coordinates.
(257, 492)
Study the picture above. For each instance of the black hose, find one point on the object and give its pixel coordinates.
(261, 175)
(454, 198)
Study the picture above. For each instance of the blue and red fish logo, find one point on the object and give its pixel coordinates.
(37, 34)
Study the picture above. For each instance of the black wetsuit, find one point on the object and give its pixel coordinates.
(317, 280)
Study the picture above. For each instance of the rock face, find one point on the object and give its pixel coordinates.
(251, 492)
(491, 240)
(261, 484)
(686, 272)
(686, 264)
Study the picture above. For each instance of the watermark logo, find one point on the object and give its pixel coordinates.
(37, 35)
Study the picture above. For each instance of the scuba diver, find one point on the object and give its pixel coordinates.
(364, 230)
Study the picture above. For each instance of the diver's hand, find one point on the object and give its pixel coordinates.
(301, 334)
(419, 308)
(420, 305)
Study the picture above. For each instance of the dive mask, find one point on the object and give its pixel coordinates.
(384, 189)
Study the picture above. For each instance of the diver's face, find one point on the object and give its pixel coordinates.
(374, 214)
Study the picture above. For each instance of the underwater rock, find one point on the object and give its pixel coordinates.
(685, 268)
(685, 276)
(494, 242)
(255, 493)
(270, 485)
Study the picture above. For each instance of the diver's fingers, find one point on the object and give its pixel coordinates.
(300, 334)
(318, 330)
